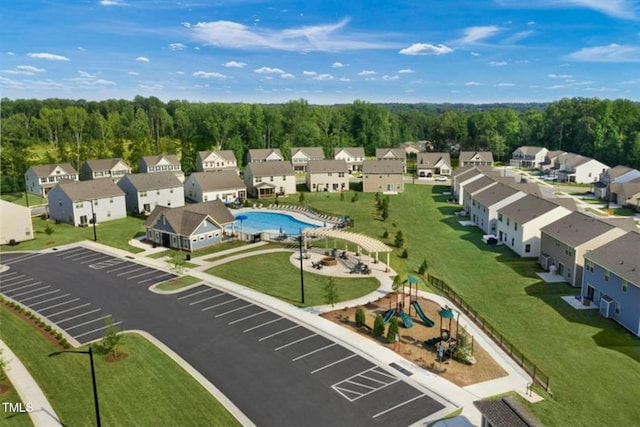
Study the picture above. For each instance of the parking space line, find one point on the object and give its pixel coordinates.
(22, 287)
(30, 291)
(261, 325)
(234, 310)
(295, 359)
(360, 385)
(131, 271)
(51, 299)
(222, 303)
(28, 279)
(68, 251)
(119, 268)
(94, 259)
(279, 332)
(296, 341)
(22, 258)
(248, 317)
(373, 379)
(167, 275)
(208, 298)
(40, 295)
(96, 330)
(333, 363)
(398, 406)
(377, 389)
(77, 257)
(69, 309)
(196, 293)
(9, 273)
(78, 315)
(142, 274)
(85, 323)
(58, 304)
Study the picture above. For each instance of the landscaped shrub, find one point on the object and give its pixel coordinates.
(378, 326)
(47, 328)
(405, 254)
(393, 330)
(385, 235)
(354, 198)
(48, 230)
(399, 240)
(360, 317)
(423, 267)
(342, 197)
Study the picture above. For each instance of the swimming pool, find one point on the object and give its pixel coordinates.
(256, 222)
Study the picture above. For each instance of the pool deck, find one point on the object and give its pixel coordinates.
(300, 216)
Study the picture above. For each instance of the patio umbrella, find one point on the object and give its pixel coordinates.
(241, 218)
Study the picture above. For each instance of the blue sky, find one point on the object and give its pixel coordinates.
(474, 51)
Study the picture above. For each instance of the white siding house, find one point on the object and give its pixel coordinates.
(354, 156)
(224, 184)
(39, 179)
(145, 191)
(528, 157)
(485, 204)
(216, 160)
(162, 163)
(259, 155)
(580, 170)
(15, 223)
(301, 156)
(270, 179)
(77, 202)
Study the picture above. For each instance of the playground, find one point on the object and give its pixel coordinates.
(426, 324)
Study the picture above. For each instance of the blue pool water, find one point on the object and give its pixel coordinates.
(263, 221)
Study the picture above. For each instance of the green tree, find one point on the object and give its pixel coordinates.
(423, 267)
(301, 198)
(330, 292)
(399, 240)
(393, 329)
(360, 317)
(378, 326)
(112, 338)
(405, 254)
(354, 198)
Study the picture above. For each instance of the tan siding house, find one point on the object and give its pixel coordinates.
(327, 175)
(383, 176)
(39, 179)
(15, 223)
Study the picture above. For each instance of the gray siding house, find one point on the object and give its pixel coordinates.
(162, 163)
(190, 227)
(39, 179)
(224, 184)
(301, 156)
(103, 169)
(77, 202)
(145, 191)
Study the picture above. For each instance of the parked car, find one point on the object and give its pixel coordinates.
(441, 178)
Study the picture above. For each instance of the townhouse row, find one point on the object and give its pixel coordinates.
(599, 255)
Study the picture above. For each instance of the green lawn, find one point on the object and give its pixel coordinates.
(179, 283)
(232, 244)
(13, 419)
(20, 199)
(284, 281)
(114, 233)
(147, 388)
(593, 363)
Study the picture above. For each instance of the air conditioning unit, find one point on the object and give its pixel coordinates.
(544, 261)
(607, 305)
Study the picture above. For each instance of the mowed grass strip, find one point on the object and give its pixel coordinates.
(273, 274)
(146, 389)
(594, 363)
(116, 233)
(13, 419)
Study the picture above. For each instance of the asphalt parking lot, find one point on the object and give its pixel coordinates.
(277, 371)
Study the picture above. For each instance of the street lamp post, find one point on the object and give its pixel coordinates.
(301, 270)
(93, 377)
(93, 221)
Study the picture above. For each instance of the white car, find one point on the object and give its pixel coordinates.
(441, 178)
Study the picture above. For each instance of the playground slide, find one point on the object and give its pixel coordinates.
(406, 320)
(421, 315)
(388, 315)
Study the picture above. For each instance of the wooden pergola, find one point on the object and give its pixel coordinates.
(370, 245)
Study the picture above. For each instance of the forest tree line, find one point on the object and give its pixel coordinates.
(57, 130)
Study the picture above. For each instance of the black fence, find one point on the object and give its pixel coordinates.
(537, 375)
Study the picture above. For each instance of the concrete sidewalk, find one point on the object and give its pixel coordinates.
(41, 413)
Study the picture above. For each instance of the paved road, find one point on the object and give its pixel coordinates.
(275, 370)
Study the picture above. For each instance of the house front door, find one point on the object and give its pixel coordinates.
(166, 240)
(590, 292)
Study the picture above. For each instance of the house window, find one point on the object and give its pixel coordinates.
(271, 178)
(515, 225)
(617, 307)
(625, 285)
(606, 275)
(341, 174)
(201, 238)
(512, 241)
(209, 236)
(527, 248)
(157, 192)
(95, 202)
(258, 179)
(500, 217)
(111, 200)
(195, 239)
(171, 191)
(284, 177)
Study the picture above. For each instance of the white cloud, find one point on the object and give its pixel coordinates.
(389, 78)
(10, 53)
(475, 34)
(473, 84)
(497, 63)
(235, 64)
(610, 53)
(268, 70)
(560, 76)
(323, 77)
(425, 49)
(49, 56)
(87, 80)
(337, 65)
(406, 71)
(475, 54)
(81, 49)
(151, 87)
(345, 79)
(177, 46)
(185, 24)
(309, 73)
(133, 73)
(287, 76)
(328, 37)
(25, 69)
(504, 85)
(112, 3)
(143, 59)
(209, 75)
(367, 73)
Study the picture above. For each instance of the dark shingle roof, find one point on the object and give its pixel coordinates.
(576, 229)
(478, 184)
(391, 166)
(152, 181)
(324, 166)
(506, 412)
(260, 169)
(494, 194)
(224, 179)
(621, 256)
(263, 153)
(185, 219)
(527, 208)
(46, 170)
(90, 190)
